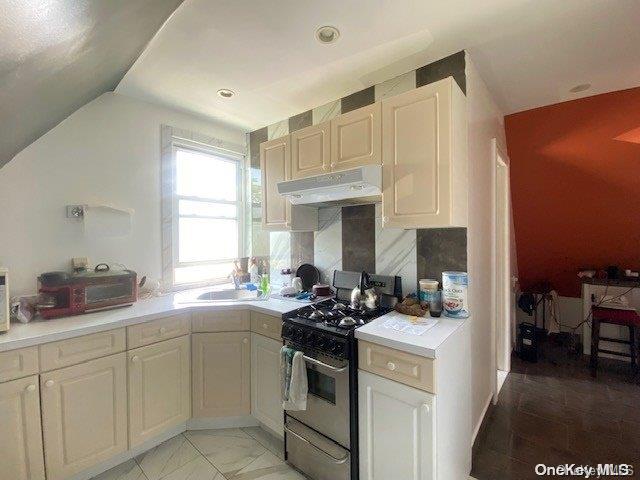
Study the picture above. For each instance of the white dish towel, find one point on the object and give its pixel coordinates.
(293, 374)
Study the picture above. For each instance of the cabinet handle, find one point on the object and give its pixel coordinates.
(135, 358)
(385, 219)
(30, 388)
(426, 407)
(49, 383)
(287, 224)
(163, 330)
(325, 168)
(333, 165)
(265, 326)
(245, 340)
(391, 366)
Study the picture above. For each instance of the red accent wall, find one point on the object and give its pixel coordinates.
(575, 180)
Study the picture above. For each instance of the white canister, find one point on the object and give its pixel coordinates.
(427, 287)
(454, 294)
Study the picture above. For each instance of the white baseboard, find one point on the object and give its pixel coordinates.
(225, 422)
(479, 424)
(502, 377)
(129, 454)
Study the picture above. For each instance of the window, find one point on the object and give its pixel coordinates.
(206, 214)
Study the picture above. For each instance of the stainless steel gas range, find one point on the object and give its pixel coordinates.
(322, 441)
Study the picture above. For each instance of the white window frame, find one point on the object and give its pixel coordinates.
(171, 216)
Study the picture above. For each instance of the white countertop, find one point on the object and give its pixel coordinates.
(425, 345)
(41, 331)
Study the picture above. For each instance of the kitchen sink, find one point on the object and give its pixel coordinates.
(228, 295)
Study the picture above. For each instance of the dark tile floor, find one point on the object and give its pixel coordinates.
(554, 412)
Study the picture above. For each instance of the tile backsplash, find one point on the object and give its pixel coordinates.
(352, 238)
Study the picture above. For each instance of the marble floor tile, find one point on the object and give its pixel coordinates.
(267, 467)
(197, 469)
(229, 450)
(128, 470)
(167, 457)
(274, 444)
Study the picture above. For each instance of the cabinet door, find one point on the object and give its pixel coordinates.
(21, 456)
(310, 151)
(266, 402)
(355, 138)
(417, 158)
(397, 430)
(159, 388)
(221, 365)
(84, 415)
(275, 164)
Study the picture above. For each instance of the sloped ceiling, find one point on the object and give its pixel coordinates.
(57, 55)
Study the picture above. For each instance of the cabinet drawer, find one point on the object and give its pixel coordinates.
(221, 321)
(412, 370)
(266, 325)
(18, 363)
(157, 330)
(80, 349)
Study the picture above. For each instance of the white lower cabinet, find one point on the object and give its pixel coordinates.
(397, 430)
(221, 369)
(21, 456)
(266, 403)
(84, 415)
(159, 388)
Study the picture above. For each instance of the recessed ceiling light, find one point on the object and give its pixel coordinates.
(327, 34)
(580, 88)
(226, 93)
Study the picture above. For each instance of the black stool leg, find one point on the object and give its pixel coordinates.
(632, 347)
(595, 340)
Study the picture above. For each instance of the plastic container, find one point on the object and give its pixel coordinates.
(454, 294)
(427, 287)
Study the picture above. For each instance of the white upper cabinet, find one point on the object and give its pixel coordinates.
(355, 138)
(397, 430)
(275, 162)
(21, 456)
(311, 151)
(424, 157)
(159, 388)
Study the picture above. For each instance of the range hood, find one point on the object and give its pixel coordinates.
(337, 187)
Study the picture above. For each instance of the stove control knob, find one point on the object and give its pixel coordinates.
(321, 342)
(308, 336)
(337, 348)
(298, 334)
(286, 330)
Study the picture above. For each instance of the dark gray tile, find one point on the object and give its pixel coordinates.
(358, 238)
(358, 212)
(439, 250)
(302, 248)
(359, 99)
(451, 66)
(304, 119)
(255, 139)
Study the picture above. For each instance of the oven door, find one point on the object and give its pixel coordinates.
(328, 398)
(104, 292)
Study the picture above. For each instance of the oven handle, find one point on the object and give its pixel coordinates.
(337, 461)
(325, 365)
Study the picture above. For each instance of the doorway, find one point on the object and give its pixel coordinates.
(502, 284)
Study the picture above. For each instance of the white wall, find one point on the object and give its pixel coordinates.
(485, 123)
(106, 152)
